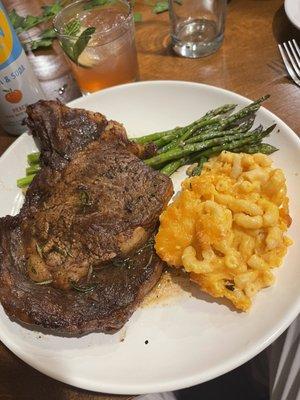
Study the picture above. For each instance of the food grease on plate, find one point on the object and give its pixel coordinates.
(172, 286)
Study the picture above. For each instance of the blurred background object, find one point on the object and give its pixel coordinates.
(197, 26)
(18, 84)
(49, 64)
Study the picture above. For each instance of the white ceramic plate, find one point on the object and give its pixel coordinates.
(292, 9)
(192, 339)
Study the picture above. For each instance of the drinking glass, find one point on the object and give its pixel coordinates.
(197, 26)
(109, 57)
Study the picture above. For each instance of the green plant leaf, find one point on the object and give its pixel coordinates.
(48, 34)
(72, 27)
(44, 41)
(22, 24)
(40, 43)
(137, 17)
(67, 48)
(161, 6)
(16, 20)
(82, 42)
(30, 21)
(51, 9)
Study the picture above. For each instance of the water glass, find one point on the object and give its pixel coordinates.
(197, 26)
(109, 57)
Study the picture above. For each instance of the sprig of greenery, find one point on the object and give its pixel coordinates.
(52, 9)
(16, 20)
(74, 50)
(137, 17)
(22, 24)
(162, 6)
(82, 42)
(45, 40)
(72, 27)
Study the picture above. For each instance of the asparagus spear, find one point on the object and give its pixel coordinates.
(155, 136)
(208, 116)
(173, 166)
(179, 152)
(218, 133)
(172, 140)
(23, 182)
(244, 112)
(33, 169)
(186, 133)
(244, 125)
(197, 170)
(206, 121)
(33, 158)
(167, 138)
(236, 144)
(227, 122)
(164, 143)
(250, 149)
(256, 148)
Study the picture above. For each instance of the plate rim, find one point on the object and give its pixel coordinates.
(287, 5)
(214, 371)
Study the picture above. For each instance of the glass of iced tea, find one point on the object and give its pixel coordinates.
(98, 39)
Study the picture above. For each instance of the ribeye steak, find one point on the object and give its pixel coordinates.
(79, 256)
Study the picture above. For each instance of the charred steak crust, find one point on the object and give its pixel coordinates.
(61, 130)
(119, 290)
(85, 227)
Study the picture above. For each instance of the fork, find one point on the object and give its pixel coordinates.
(290, 54)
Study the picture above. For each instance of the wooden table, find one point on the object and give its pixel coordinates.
(248, 63)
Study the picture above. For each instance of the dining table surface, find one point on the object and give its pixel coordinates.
(248, 63)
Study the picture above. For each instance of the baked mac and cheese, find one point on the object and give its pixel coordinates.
(227, 226)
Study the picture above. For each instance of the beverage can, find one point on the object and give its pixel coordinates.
(18, 85)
